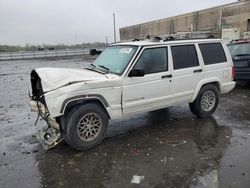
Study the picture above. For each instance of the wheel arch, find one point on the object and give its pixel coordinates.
(214, 81)
(72, 102)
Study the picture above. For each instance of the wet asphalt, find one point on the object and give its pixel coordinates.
(164, 148)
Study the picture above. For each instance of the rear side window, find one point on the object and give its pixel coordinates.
(212, 53)
(153, 60)
(184, 56)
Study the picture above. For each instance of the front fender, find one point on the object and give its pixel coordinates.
(85, 98)
(81, 99)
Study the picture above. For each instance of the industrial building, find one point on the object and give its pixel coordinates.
(231, 21)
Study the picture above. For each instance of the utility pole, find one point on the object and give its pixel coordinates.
(106, 40)
(114, 28)
(220, 22)
(75, 37)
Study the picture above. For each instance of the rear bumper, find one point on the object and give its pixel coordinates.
(225, 88)
(242, 75)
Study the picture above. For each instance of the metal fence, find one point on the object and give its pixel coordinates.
(42, 54)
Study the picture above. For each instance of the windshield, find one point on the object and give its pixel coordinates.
(114, 59)
(239, 49)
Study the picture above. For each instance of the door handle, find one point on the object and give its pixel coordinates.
(198, 70)
(167, 76)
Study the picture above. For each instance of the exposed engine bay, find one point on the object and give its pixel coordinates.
(50, 136)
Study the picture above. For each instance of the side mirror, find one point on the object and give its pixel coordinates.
(136, 73)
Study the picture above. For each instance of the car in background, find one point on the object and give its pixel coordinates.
(95, 51)
(240, 52)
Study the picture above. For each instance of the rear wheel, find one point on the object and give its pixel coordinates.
(86, 126)
(206, 101)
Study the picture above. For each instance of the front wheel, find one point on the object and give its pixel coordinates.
(206, 101)
(86, 126)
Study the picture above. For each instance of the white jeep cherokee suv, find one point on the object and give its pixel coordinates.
(129, 78)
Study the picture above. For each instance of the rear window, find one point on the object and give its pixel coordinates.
(184, 56)
(212, 53)
(239, 49)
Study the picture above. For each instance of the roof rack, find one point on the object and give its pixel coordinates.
(152, 39)
(178, 36)
(169, 38)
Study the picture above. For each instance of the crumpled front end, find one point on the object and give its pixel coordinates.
(50, 136)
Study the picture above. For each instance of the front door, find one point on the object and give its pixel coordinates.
(153, 90)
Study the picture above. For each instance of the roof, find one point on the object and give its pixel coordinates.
(150, 43)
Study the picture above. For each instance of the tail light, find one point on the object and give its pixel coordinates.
(233, 72)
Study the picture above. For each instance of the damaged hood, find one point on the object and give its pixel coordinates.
(53, 78)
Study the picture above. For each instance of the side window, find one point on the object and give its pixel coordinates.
(212, 53)
(153, 60)
(184, 56)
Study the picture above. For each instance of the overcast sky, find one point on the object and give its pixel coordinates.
(78, 21)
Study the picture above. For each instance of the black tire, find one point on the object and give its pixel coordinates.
(198, 109)
(192, 108)
(73, 135)
(68, 115)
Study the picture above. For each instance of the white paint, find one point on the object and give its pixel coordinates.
(129, 95)
(53, 78)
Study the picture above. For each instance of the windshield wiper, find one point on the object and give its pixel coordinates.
(102, 66)
(93, 65)
(95, 70)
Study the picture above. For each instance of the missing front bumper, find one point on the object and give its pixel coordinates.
(49, 137)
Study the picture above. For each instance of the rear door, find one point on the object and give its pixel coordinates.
(187, 71)
(152, 91)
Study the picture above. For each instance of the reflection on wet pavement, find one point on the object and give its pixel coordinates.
(167, 148)
(167, 152)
